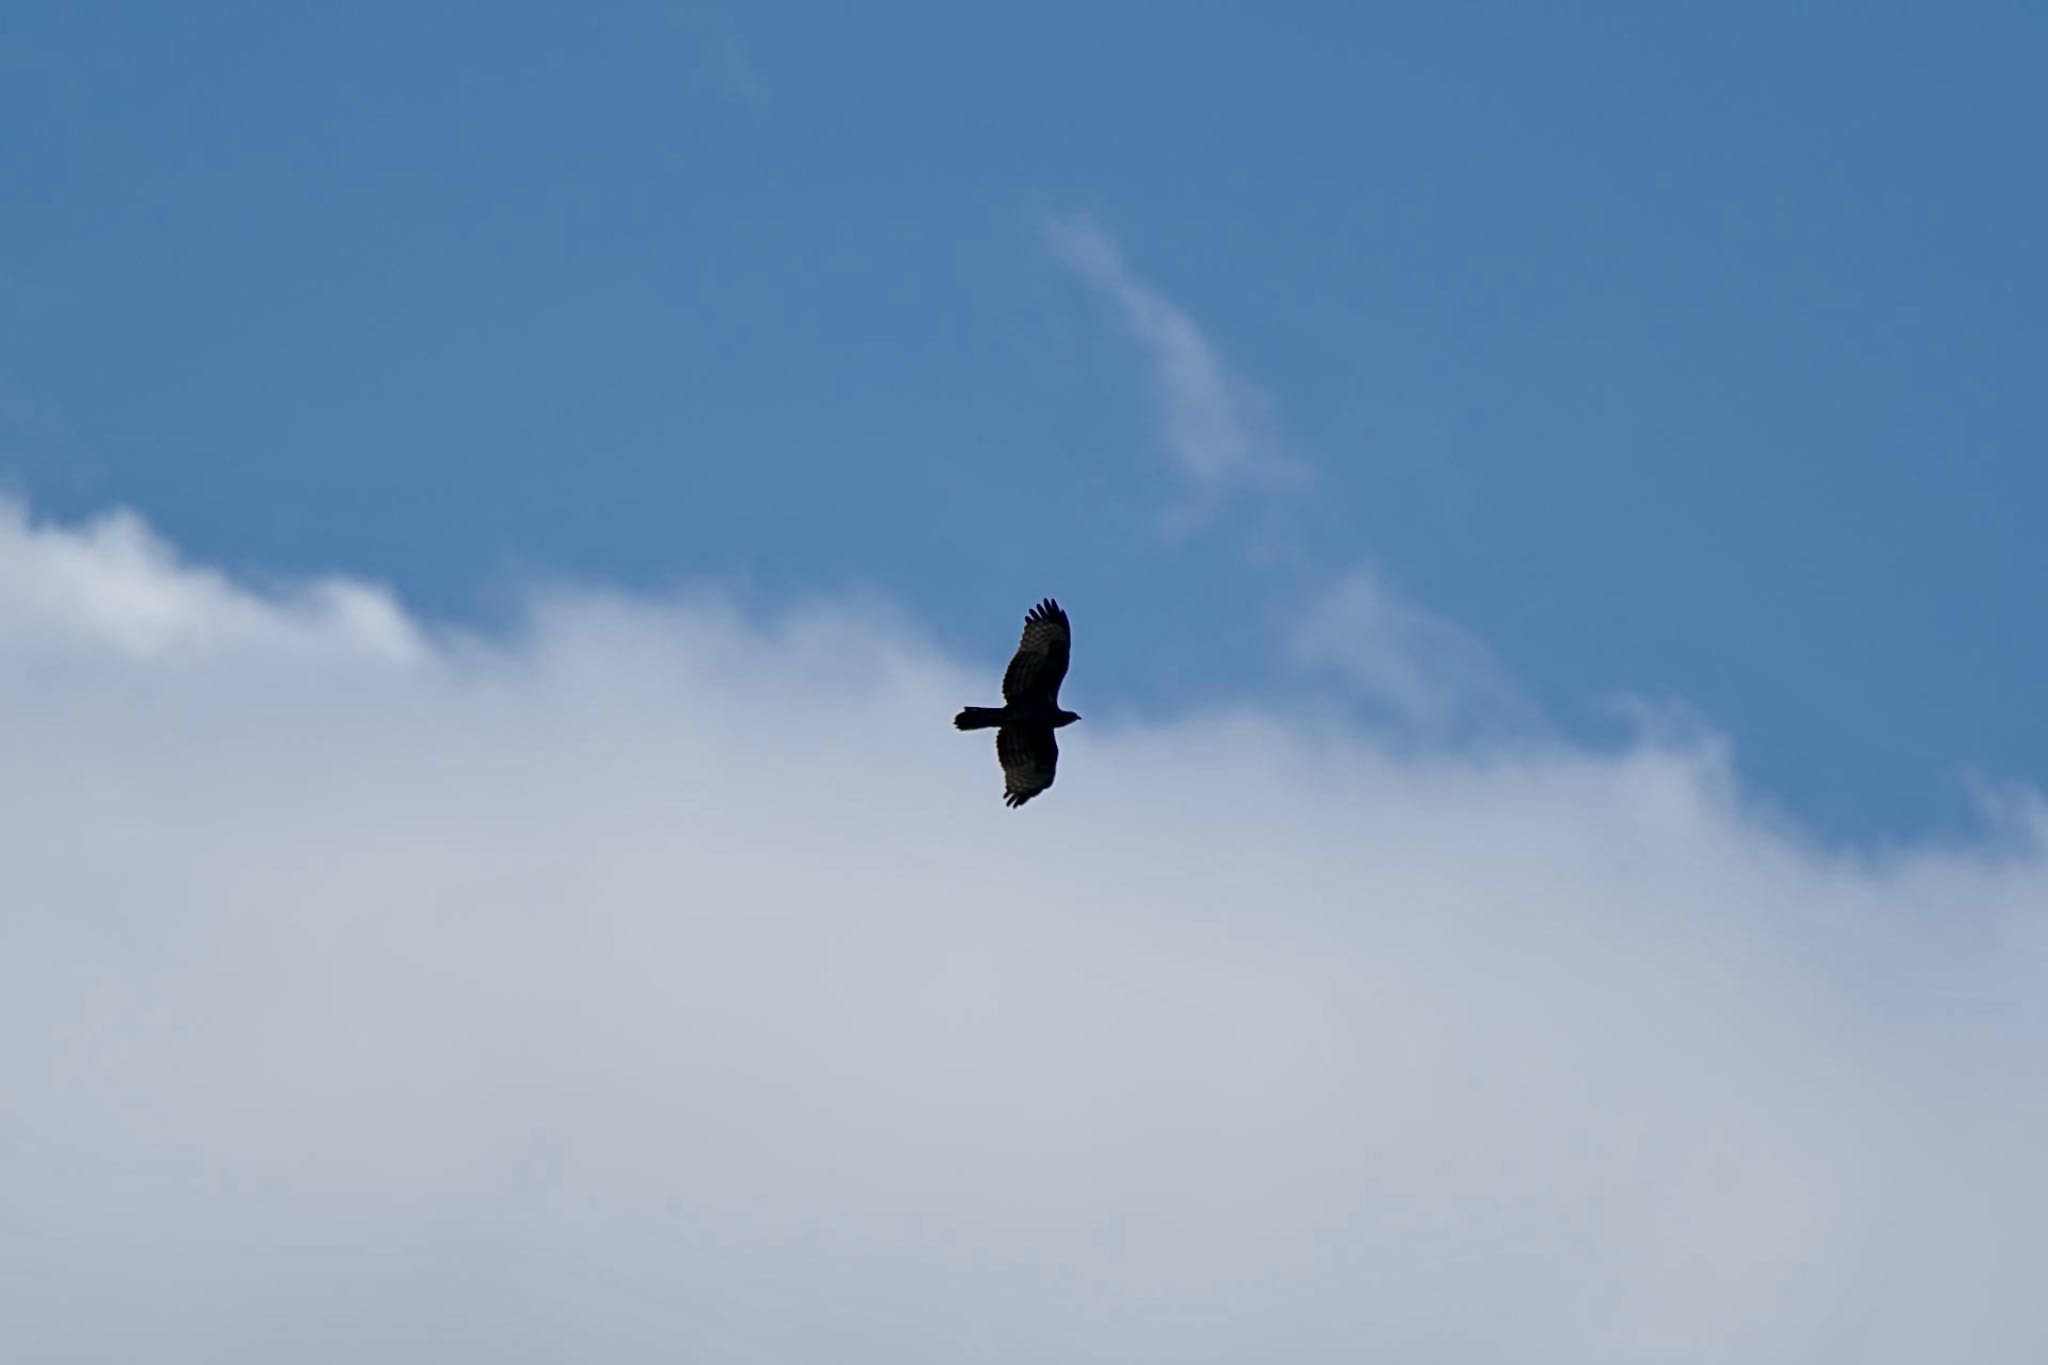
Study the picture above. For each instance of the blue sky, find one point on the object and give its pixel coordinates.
(1689, 357)
(498, 506)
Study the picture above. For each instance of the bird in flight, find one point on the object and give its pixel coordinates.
(1031, 705)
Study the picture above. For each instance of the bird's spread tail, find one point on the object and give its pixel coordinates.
(979, 718)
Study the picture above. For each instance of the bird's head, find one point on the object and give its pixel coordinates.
(1060, 718)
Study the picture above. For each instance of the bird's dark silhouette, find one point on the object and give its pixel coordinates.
(1031, 705)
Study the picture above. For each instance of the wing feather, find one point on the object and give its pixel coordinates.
(1028, 753)
(1040, 664)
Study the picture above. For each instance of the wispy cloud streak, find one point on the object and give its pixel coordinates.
(1413, 670)
(1411, 666)
(1212, 422)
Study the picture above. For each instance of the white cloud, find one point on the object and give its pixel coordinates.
(114, 584)
(659, 984)
(1213, 422)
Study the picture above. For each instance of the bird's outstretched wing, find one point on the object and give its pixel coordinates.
(1040, 664)
(1028, 754)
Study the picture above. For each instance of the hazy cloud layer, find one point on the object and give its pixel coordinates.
(664, 985)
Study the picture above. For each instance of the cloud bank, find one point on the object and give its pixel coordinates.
(655, 983)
